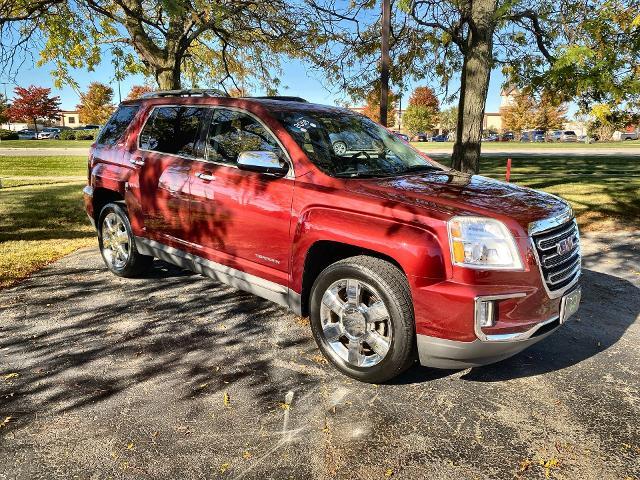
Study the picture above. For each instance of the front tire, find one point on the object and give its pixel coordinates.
(117, 243)
(362, 318)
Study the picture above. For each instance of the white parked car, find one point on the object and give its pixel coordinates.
(625, 136)
(49, 133)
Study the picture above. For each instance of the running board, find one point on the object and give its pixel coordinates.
(272, 291)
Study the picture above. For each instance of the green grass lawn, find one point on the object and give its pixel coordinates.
(604, 190)
(42, 217)
(41, 213)
(45, 143)
(427, 146)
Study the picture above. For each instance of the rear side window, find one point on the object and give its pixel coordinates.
(117, 124)
(173, 130)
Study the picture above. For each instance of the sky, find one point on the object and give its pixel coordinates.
(297, 78)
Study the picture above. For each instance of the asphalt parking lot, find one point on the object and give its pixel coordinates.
(176, 376)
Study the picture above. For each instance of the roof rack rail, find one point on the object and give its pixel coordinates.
(283, 98)
(190, 92)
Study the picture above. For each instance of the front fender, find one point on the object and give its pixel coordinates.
(417, 249)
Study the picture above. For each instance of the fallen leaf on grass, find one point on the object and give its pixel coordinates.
(130, 446)
(11, 375)
(226, 400)
(5, 421)
(224, 467)
(388, 473)
(548, 465)
(284, 406)
(246, 455)
(525, 465)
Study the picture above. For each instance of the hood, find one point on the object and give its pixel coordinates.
(455, 193)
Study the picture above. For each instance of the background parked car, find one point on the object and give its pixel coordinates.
(507, 137)
(27, 134)
(49, 133)
(625, 136)
(532, 136)
(346, 141)
(89, 127)
(440, 138)
(493, 137)
(421, 137)
(568, 136)
(402, 136)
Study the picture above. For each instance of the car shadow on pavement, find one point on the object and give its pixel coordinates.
(73, 336)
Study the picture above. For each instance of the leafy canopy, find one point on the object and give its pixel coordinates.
(34, 103)
(96, 104)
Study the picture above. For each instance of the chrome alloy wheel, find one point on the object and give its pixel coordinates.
(355, 323)
(115, 241)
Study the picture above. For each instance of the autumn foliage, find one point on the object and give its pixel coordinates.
(32, 104)
(138, 91)
(95, 105)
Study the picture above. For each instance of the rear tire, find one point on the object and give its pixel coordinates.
(362, 318)
(117, 243)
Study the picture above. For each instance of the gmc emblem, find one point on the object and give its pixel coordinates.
(565, 246)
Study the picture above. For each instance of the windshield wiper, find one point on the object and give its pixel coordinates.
(420, 168)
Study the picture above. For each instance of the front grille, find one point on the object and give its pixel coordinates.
(559, 268)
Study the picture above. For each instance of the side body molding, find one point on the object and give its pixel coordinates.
(274, 292)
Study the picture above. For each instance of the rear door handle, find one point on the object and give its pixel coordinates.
(137, 161)
(205, 176)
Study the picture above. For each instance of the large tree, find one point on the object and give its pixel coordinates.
(423, 110)
(138, 91)
(372, 106)
(528, 110)
(95, 104)
(32, 104)
(582, 50)
(209, 42)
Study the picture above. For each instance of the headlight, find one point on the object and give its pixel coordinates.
(483, 243)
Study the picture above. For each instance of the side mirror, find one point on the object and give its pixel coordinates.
(262, 162)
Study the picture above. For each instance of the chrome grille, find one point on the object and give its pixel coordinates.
(559, 268)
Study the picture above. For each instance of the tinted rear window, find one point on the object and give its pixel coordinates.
(117, 124)
(173, 130)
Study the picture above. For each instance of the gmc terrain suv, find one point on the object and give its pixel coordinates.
(392, 256)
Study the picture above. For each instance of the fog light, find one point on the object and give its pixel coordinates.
(485, 313)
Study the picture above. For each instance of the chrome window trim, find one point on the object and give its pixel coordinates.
(290, 174)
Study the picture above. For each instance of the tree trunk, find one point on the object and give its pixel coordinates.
(35, 126)
(385, 62)
(474, 84)
(168, 76)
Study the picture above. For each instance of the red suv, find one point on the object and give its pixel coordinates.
(392, 256)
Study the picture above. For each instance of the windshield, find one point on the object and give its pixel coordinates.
(346, 144)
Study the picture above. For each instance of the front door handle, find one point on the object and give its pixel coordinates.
(205, 176)
(137, 161)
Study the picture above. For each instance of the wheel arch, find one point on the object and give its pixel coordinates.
(326, 235)
(103, 196)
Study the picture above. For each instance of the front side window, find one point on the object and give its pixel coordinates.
(117, 124)
(232, 132)
(345, 144)
(173, 130)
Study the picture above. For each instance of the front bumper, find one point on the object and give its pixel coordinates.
(442, 353)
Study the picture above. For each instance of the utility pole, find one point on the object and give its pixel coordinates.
(6, 99)
(385, 62)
